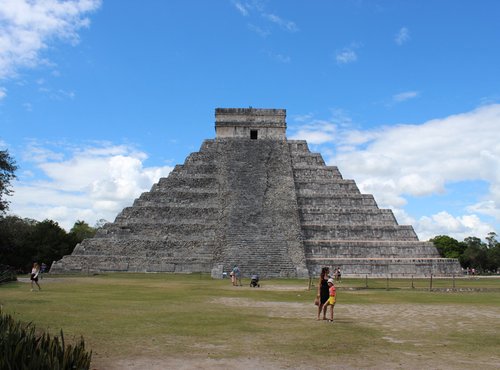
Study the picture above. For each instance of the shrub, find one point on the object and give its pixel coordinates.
(7, 274)
(22, 348)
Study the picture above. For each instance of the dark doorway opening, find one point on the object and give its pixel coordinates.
(253, 134)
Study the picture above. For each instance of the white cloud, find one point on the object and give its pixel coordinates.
(259, 30)
(420, 160)
(3, 92)
(443, 223)
(346, 56)
(398, 98)
(93, 183)
(316, 132)
(255, 10)
(282, 23)
(26, 26)
(241, 7)
(402, 36)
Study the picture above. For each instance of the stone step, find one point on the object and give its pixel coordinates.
(144, 247)
(195, 169)
(315, 210)
(179, 197)
(356, 232)
(369, 249)
(315, 173)
(120, 263)
(142, 229)
(347, 220)
(307, 159)
(200, 158)
(188, 181)
(338, 201)
(325, 186)
(339, 190)
(298, 146)
(177, 213)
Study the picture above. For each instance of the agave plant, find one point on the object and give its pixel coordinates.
(23, 349)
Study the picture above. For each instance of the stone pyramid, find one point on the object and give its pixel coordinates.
(252, 198)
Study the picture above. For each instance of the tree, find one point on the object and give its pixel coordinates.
(7, 169)
(100, 223)
(24, 241)
(448, 247)
(81, 230)
(493, 255)
(15, 242)
(475, 255)
(491, 239)
(50, 242)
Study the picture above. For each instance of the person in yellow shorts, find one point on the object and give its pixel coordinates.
(332, 297)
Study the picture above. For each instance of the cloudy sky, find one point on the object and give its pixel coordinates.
(99, 99)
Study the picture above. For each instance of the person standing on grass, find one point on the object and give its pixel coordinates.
(323, 291)
(338, 274)
(236, 278)
(35, 271)
(332, 295)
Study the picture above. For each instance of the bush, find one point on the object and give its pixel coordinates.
(21, 348)
(7, 274)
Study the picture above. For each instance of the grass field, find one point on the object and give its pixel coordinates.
(160, 321)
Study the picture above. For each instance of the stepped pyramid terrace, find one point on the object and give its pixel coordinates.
(252, 198)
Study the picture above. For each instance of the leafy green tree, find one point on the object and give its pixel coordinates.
(24, 241)
(448, 247)
(7, 169)
(15, 245)
(49, 242)
(81, 230)
(492, 239)
(475, 255)
(493, 257)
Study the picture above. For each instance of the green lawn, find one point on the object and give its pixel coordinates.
(192, 317)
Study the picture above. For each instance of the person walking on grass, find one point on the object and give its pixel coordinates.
(35, 271)
(332, 295)
(323, 291)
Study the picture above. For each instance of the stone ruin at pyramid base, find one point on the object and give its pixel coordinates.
(254, 199)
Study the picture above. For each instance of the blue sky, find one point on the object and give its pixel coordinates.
(99, 99)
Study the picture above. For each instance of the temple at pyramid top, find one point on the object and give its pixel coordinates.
(250, 123)
(251, 197)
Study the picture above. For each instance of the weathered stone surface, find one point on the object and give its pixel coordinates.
(252, 198)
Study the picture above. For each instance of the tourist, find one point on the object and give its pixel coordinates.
(236, 277)
(338, 274)
(34, 276)
(331, 299)
(323, 293)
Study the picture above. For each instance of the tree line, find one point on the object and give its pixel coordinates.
(24, 241)
(472, 252)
